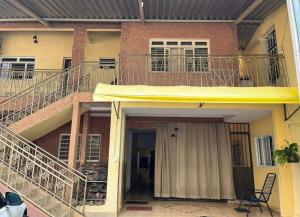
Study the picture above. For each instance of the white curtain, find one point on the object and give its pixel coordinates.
(193, 160)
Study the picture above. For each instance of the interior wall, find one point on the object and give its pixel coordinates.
(52, 47)
(102, 44)
(258, 128)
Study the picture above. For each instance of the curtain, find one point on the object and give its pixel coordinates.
(193, 160)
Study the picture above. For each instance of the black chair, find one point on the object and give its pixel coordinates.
(256, 197)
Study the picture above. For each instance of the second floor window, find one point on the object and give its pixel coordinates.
(179, 55)
(17, 68)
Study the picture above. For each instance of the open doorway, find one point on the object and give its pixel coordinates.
(140, 165)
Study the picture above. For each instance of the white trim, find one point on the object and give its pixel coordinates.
(178, 45)
(59, 145)
(100, 136)
(80, 135)
(256, 150)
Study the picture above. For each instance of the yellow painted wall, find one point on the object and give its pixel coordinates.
(52, 47)
(294, 129)
(279, 21)
(102, 44)
(258, 128)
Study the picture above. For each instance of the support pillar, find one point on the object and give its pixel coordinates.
(78, 45)
(75, 126)
(116, 160)
(285, 179)
(85, 136)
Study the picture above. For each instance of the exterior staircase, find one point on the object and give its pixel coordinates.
(38, 176)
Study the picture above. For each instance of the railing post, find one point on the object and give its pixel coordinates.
(84, 195)
(71, 197)
(10, 163)
(33, 95)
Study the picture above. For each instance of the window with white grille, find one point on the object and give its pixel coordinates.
(17, 68)
(107, 63)
(264, 151)
(93, 149)
(179, 55)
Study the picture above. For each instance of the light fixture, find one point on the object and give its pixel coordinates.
(35, 39)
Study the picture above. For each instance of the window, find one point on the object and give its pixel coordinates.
(264, 151)
(93, 149)
(107, 63)
(179, 55)
(17, 67)
(272, 50)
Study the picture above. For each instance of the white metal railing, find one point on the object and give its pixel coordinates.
(43, 94)
(15, 81)
(40, 177)
(209, 70)
(38, 169)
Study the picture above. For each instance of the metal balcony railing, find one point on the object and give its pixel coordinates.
(42, 94)
(213, 71)
(17, 80)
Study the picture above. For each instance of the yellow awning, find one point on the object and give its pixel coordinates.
(187, 94)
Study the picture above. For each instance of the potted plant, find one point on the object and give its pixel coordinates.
(288, 154)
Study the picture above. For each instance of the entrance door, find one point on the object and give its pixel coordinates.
(241, 158)
(142, 157)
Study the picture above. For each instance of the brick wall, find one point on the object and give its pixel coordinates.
(98, 125)
(137, 69)
(135, 36)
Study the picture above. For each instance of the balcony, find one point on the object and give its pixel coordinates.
(201, 71)
(18, 80)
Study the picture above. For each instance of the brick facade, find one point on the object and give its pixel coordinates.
(78, 45)
(136, 68)
(98, 125)
(135, 36)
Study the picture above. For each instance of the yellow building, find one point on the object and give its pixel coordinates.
(138, 108)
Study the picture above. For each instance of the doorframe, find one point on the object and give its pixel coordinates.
(64, 60)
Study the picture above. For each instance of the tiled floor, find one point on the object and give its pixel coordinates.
(193, 209)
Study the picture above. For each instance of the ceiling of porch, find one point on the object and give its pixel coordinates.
(229, 115)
